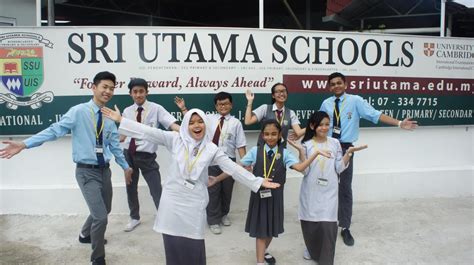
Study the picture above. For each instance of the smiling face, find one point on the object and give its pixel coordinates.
(139, 94)
(322, 130)
(337, 86)
(271, 135)
(103, 91)
(224, 106)
(197, 127)
(280, 94)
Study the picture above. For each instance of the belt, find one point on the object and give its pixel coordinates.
(346, 144)
(80, 165)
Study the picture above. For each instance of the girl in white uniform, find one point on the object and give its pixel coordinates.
(319, 189)
(181, 216)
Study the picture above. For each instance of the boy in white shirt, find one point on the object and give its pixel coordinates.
(141, 155)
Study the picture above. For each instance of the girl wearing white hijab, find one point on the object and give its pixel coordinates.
(181, 216)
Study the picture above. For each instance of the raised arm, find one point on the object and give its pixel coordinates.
(250, 118)
(181, 104)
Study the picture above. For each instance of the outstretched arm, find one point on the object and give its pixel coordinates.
(300, 167)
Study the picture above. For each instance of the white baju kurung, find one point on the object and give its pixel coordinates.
(182, 211)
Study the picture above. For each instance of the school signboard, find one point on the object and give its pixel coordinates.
(46, 70)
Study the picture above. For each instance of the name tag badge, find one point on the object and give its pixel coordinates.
(99, 149)
(322, 182)
(189, 184)
(265, 193)
(336, 130)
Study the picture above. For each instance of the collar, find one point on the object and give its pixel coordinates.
(226, 117)
(94, 106)
(267, 148)
(144, 106)
(275, 108)
(342, 98)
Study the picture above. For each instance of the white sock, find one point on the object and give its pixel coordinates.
(263, 263)
(81, 235)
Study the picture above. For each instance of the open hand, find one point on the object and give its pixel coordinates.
(12, 148)
(267, 183)
(408, 124)
(112, 114)
(179, 102)
(295, 144)
(325, 153)
(353, 149)
(249, 95)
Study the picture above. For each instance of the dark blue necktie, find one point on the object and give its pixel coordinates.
(100, 155)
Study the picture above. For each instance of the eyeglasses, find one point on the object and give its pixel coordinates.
(223, 104)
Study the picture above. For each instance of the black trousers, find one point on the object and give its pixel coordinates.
(220, 196)
(184, 251)
(146, 163)
(320, 240)
(345, 192)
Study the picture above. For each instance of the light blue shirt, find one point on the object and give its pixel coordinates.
(289, 159)
(352, 108)
(81, 120)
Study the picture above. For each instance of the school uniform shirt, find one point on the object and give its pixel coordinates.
(182, 211)
(250, 158)
(261, 112)
(352, 108)
(318, 202)
(152, 115)
(232, 134)
(81, 121)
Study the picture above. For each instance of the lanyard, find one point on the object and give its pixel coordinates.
(265, 174)
(186, 159)
(321, 159)
(97, 133)
(282, 117)
(337, 113)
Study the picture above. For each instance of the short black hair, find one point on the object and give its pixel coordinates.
(137, 82)
(337, 74)
(104, 76)
(222, 96)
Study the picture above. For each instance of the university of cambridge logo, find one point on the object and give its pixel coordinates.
(428, 49)
(22, 69)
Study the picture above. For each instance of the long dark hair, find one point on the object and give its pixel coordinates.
(274, 87)
(271, 122)
(314, 120)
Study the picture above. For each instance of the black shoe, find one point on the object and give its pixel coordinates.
(269, 259)
(87, 240)
(347, 237)
(99, 261)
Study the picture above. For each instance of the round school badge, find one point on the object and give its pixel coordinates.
(278, 156)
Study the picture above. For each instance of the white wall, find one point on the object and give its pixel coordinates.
(23, 10)
(428, 162)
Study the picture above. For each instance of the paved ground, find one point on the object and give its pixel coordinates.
(421, 231)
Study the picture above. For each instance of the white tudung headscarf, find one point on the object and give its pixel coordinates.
(189, 143)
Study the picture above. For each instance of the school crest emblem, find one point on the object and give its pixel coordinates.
(429, 48)
(22, 69)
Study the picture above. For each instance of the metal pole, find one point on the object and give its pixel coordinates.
(260, 14)
(38, 13)
(50, 12)
(442, 16)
